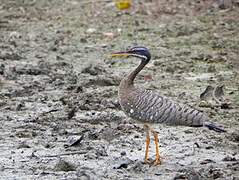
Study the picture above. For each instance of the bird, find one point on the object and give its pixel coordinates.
(151, 107)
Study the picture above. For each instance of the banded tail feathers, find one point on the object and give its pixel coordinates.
(214, 127)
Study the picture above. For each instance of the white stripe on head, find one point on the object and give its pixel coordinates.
(140, 56)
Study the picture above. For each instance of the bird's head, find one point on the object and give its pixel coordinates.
(139, 52)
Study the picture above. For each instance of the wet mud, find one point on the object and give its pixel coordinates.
(59, 113)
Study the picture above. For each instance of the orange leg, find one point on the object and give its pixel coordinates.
(146, 159)
(157, 159)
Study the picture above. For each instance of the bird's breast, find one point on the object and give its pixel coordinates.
(127, 99)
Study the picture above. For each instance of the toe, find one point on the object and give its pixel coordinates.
(157, 162)
(146, 161)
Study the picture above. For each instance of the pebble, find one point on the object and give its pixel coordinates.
(123, 153)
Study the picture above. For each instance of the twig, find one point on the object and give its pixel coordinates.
(66, 154)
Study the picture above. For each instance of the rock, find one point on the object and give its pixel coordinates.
(206, 161)
(74, 141)
(179, 177)
(123, 153)
(2, 67)
(71, 113)
(219, 93)
(108, 103)
(188, 131)
(235, 137)
(225, 106)
(86, 174)
(23, 145)
(189, 174)
(236, 3)
(229, 158)
(96, 152)
(214, 97)
(75, 88)
(63, 165)
(83, 40)
(209, 147)
(207, 93)
(19, 106)
(215, 173)
(224, 4)
(122, 163)
(138, 167)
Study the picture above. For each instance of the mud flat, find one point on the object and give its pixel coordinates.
(59, 113)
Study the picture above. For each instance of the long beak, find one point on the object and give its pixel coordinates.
(120, 54)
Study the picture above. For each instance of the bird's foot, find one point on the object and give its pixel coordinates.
(147, 161)
(157, 161)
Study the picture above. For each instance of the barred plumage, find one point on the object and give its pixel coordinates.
(150, 107)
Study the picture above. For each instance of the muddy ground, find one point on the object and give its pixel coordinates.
(60, 117)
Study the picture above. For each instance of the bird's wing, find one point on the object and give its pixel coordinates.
(153, 107)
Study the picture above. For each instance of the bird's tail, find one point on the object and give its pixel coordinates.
(214, 127)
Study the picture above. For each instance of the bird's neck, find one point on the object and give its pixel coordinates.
(128, 81)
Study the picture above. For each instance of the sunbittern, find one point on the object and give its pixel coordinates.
(150, 107)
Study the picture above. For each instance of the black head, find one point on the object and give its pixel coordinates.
(139, 52)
